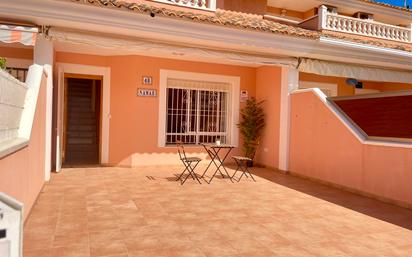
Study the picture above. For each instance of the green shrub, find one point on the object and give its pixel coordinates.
(251, 126)
(2, 63)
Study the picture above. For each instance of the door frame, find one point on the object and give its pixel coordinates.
(83, 71)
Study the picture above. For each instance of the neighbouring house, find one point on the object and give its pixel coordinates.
(120, 82)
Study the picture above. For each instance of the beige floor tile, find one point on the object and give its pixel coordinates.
(71, 251)
(106, 248)
(119, 212)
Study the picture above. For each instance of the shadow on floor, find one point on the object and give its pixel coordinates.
(374, 208)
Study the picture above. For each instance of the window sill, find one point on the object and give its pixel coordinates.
(10, 146)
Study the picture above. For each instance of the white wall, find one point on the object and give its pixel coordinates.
(12, 100)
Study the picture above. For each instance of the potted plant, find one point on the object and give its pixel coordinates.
(251, 126)
(2, 63)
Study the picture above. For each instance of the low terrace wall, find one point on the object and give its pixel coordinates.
(22, 143)
(325, 146)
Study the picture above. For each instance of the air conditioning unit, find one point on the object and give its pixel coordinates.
(11, 227)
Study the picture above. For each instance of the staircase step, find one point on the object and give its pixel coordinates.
(78, 121)
(80, 100)
(81, 115)
(81, 134)
(81, 128)
(81, 147)
(81, 141)
(77, 109)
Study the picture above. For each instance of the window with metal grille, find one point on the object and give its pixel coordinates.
(197, 112)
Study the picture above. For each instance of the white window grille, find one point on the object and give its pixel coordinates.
(197, 112)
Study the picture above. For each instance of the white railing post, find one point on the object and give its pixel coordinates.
(410, 33)
(322, 16)
(212, 5)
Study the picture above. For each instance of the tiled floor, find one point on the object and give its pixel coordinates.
(119, 212)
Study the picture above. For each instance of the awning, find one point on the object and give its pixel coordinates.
(18, 34)
(131, 45)
(358, 72)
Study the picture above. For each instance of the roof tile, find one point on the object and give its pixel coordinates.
(239, 20)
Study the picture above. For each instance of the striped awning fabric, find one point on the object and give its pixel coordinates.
(18, 34)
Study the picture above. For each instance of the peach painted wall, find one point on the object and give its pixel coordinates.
(268, 83)
(321, 147)
(134, 120)
(22, 172)
(395, 86)
(343, 89)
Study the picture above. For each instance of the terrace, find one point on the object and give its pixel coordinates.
(120, 212)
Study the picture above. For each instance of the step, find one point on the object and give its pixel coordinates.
(75, 109)
(79, 92)
(81, 128)
(81, 115)
(82, 147)
(79, 100)
(82, 158)
(78, 121)
(75, 134)
(81, 141)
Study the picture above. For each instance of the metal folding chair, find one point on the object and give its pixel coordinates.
(190, 164)
(241, 163)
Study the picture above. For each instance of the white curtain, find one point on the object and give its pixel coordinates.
(358, 72)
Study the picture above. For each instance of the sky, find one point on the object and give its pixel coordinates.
(395, 2)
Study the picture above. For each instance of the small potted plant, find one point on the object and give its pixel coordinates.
(251, 126)
(2, 63)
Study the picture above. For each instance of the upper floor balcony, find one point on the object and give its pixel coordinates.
(208, 5)
(333, 21)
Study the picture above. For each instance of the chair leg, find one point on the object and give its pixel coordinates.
(251, 175)
(181, 174)
(184, 180)
(237, 169)
(243, 167)
(191, 171)
(194, 173)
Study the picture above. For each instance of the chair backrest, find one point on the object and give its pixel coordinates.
(181, 150)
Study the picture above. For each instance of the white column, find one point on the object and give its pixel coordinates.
(212, 5)
(44, 55)
(322, 15)
(410, 33)
(289, 83)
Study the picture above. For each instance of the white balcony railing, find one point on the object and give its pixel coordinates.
(209, 5)
(369, 28)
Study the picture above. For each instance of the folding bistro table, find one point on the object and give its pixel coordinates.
(213, 151)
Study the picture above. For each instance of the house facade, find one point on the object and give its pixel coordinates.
(124, 81)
